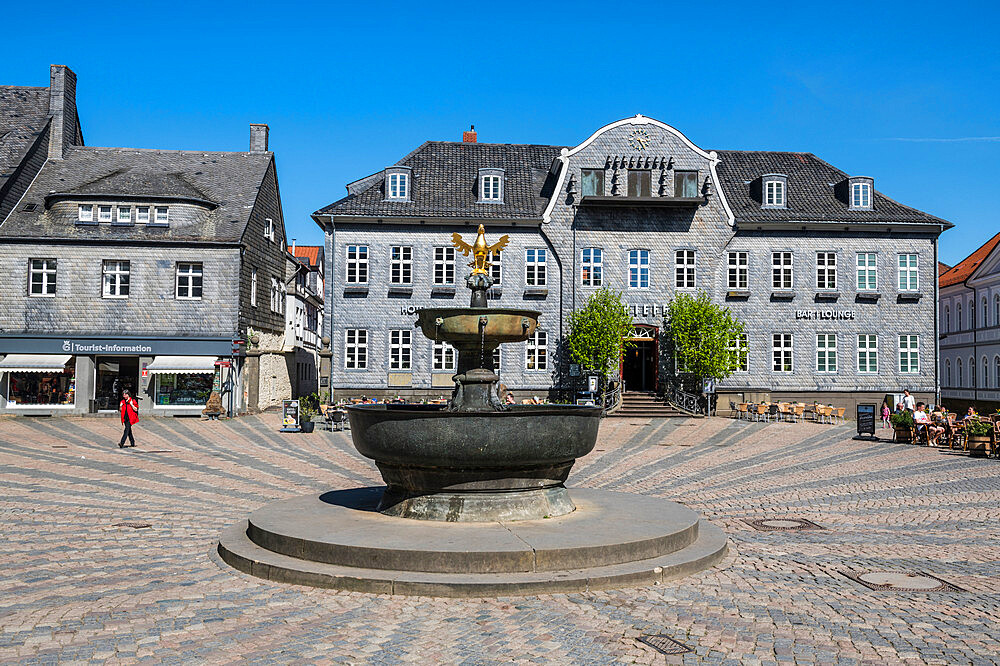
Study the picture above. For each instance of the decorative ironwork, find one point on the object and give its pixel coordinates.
(613, 398)
(684, 401)
(901, 581)
(665, 644)
(642, 333)
(781, 524)
(133, 524)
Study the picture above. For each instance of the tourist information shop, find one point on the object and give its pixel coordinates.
(835, 282)
(70, 375)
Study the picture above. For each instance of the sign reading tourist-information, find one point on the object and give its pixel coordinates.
(149, 346)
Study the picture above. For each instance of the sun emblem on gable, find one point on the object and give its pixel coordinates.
(638, 139)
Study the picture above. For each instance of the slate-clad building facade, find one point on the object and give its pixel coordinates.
(835, 281)
(125, 267)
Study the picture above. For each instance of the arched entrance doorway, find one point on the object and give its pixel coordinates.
(640, 363)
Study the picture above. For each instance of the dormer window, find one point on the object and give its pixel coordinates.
(775, 190)
(860, 193)
(85, 213)
(397, 184)
(161, 215)
(104, 213)
(124, 215)
(491, 186)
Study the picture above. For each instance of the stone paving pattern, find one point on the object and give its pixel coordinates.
(75, 589)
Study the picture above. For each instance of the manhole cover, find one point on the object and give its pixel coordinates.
(133, 524)
(901, 581)
(665, 644)
(781, 524)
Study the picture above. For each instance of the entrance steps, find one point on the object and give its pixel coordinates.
(646, 405)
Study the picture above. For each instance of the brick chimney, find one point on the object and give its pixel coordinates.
(62, 109)
(470, 136)
(258, 138)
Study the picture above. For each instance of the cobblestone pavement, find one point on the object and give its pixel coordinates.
(75, 588)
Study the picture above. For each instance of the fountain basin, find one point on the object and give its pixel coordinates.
(461, 325)
(473, 467)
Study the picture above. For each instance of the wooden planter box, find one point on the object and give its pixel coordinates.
(903, 435)
(978, 445)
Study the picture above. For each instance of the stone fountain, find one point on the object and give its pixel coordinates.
(475, 502)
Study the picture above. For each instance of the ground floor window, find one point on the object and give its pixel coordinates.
(43, 388)
(356, 348)
(399, 350)
(182, 390)
(537, 354)
(739, 347)
(444, 357)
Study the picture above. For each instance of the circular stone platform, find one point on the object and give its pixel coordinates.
(339, 540)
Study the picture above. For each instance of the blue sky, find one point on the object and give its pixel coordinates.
(904, 92)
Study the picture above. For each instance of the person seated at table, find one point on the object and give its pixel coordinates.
(970, 414)
(920, 417)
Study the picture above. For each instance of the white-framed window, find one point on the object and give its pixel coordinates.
(638, 269)
(684, 273)
(490, 188)
(357, 264)
(826, 270)
(189, 281)
(496, 268)
(356, 348)
(774, 193)
(161, 214)
(781, 352)
(739, 271)
(861, 195)
(444, 265)
(867, 353)
(909, 354)
(275, 294)
(739, 347)
(115, 278)
(444, 357)
(399, 186)
(400, 350)
(781, 270)
(401, 264)
(42, 277)
(253, 287)
(907, 272)
(124, 215)
(497, 356)
(104, 213)
(826, 352)
(534, 267)
(537, 352)
(85, 212)
(591, 267)
(142, 214)
(269, 229)
(867, 263)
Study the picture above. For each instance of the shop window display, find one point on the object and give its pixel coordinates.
(183, 390)
(43, 388)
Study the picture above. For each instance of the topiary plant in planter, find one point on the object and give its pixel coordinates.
(902, 424)
(978, 436)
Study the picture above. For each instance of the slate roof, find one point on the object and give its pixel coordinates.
(445, 181)
(310, 254)
(230, 180)
(444, 176)
(816, 191)
(23, 115)
(961, 271)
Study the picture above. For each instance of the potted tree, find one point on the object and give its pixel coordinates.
(902, 425)
(308, 408)
(977, 436)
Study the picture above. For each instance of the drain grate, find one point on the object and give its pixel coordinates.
(159, 451)
(59, 446)
(133, 524)
(901, 581)
(781, 524)
(665, 644)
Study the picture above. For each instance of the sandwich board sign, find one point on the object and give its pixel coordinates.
(290, 416)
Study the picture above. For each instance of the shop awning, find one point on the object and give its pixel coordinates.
(34, 362)
(197, 365)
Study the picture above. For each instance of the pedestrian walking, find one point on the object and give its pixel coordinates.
(885, 413)
(909, 402)
(128, 408)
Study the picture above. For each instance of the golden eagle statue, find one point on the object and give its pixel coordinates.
(480, 250)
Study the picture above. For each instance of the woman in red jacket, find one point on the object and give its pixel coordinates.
(129, 410)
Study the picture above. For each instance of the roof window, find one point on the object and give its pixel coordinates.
(491, 185)
(397, 183)
(774, 190)
(860, 190)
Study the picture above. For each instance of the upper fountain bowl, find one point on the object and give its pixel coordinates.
(462, 325)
